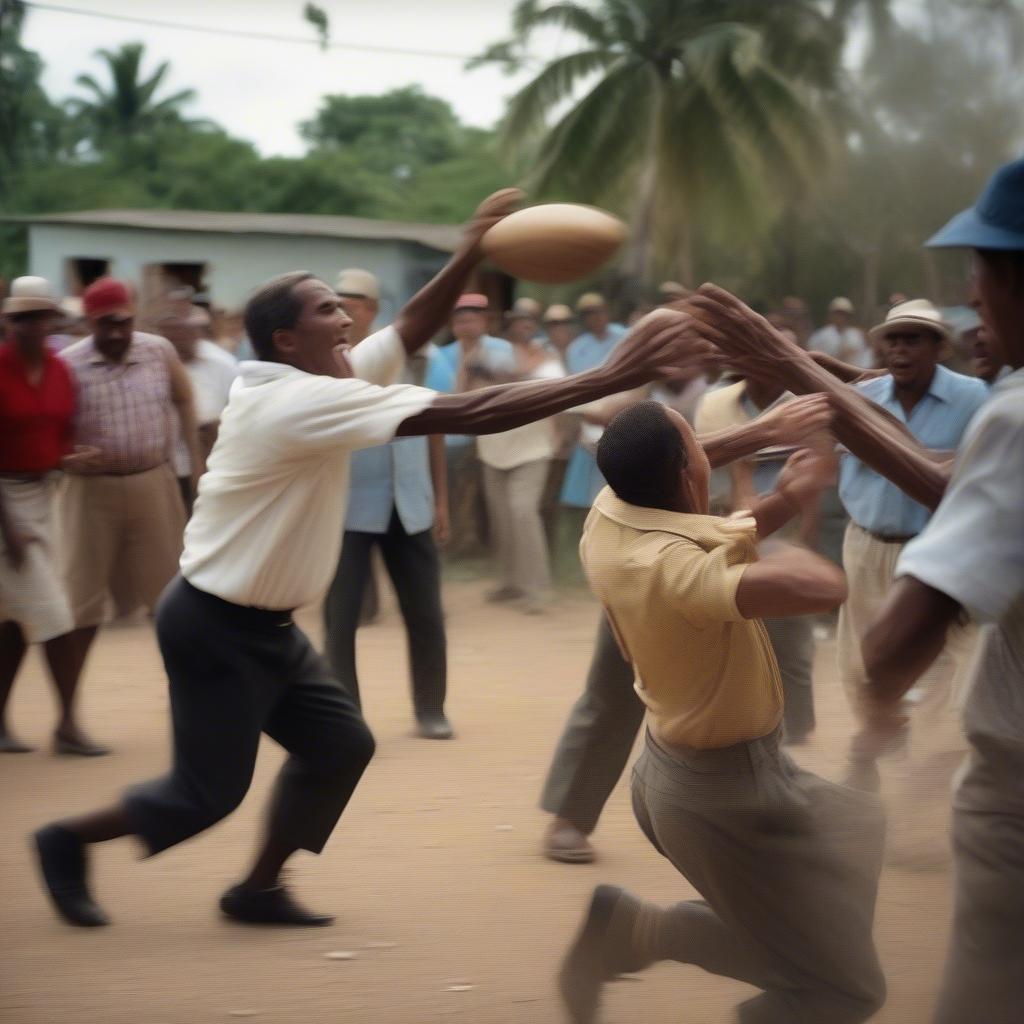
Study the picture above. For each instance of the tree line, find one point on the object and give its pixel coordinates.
(795, 147)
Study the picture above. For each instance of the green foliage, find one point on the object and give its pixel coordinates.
(689, 116)
(127, 109)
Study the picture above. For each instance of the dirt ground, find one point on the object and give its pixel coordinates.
(441, 895)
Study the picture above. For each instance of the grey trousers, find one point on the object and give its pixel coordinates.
(984, 975)
(787, 865)
(235, 673)
(517, 529)
(595, 745)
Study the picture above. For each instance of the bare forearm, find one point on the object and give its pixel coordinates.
(438, 467)
(506, 406)
(876, 438)
(190, 434)
(848, 373)
(771, 513)
(725, 446)
(429, 309)
(906, 637)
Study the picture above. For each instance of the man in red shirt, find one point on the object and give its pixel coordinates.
(37, 403)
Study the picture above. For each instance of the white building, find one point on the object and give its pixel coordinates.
(226, 255)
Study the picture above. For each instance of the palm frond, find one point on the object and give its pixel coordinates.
(552, 86)
(566, 14)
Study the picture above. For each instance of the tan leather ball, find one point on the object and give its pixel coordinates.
(554, 243)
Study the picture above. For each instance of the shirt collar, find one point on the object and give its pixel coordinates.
(682, 524)
(96, 357)
(258, 371)
(941, 386)
(1008, 380)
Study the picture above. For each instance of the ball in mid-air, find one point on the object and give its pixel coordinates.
(554, 243)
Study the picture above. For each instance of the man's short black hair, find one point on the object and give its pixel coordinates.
(641, 455)
(272, 307)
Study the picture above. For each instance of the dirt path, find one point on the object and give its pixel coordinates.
(434, 872)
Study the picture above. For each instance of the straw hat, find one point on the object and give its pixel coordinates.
(917, 313)
(524, 307)
(841, 304)
(359, 284)
(590, 300)
(558, 314)
(30, 295)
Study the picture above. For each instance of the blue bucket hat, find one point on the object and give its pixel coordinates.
(996, 221)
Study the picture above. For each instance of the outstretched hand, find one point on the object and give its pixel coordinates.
(494, 208)
(799, 420)
(752, 345)
(663, 344)
(805, 475)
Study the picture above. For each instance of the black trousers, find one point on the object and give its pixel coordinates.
(415, 571)
(235, 673)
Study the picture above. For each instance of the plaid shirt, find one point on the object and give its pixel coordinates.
(124, 408)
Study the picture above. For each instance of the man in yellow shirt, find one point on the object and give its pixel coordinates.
(787, 864)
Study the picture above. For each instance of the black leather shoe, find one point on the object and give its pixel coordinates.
(586, 968)
(269, 906)
(62, 863)
(434, 727)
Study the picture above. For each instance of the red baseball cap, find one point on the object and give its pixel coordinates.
(472, 300)
(108, 297)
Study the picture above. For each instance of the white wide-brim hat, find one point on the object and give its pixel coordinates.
(915, 313)
(30, 295)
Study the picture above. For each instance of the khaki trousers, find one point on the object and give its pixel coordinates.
(787, 865)
(870, 566)
(122, 541)
(517, 528)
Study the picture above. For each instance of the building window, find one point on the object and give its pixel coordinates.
(81, 271)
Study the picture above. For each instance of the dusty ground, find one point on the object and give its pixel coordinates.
(434, 872)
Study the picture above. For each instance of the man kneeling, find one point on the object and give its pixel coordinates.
(787, 864)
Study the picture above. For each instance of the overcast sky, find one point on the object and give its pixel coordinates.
(261, 90)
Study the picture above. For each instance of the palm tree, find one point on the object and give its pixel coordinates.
(127, 109)
(683, 112)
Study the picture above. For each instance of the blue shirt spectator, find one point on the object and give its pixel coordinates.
(393, 476)
(494, 354)
(583, 480)
(938, 421)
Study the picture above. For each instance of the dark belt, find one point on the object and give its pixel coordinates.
(889, 538)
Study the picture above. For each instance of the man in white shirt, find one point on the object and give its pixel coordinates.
(969, 559)
(840, 338)
(264, 540)
(212, 371)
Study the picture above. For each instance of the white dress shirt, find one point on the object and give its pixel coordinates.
(267, 526)
(212, 371)
(973, 551)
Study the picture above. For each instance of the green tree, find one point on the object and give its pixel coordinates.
(127, 108)
(396, 133)
(691, 115)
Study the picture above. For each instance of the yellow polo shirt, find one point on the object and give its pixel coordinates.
(668, 582)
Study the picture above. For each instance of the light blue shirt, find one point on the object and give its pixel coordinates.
(583, 480)
(494, 353)
(588, 351)
(391, 477)
(938, 421)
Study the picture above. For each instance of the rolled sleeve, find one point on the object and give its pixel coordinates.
(380, 358)
(327, 412)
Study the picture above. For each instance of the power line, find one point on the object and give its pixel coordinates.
(243, 34)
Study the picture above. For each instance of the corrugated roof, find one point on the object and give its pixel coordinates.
(443, 237)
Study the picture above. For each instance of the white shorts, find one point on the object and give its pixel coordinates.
(34, 596)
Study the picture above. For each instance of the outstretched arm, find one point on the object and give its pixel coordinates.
(429, 309)
(790, 423)
(663, 343)
(867, 431)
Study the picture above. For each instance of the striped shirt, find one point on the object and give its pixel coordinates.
(125, 408)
